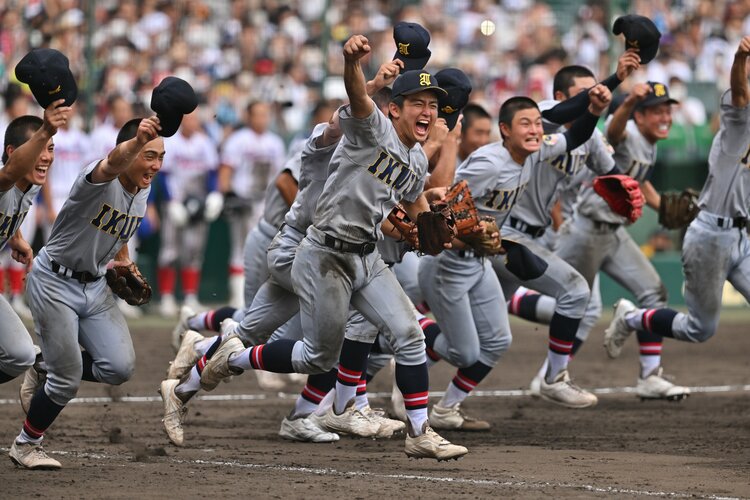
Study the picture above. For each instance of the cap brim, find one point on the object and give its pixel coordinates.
(423, 89)
(411, 63)
(657, 101)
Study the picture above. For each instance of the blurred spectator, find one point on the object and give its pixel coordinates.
(660, 240)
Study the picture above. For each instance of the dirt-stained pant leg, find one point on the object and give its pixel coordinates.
(255, 258)
(584, 246)
(593, 311)
(16, 347)
(407, 272)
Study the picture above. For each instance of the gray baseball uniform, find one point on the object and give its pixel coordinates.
(16, 347)
(71, 302)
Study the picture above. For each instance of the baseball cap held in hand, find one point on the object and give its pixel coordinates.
(47, 73)
(171, 99)
(412, 41)
(457, 87)
(640, 33)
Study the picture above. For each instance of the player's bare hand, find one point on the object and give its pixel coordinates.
(356, 48)
(599, 99)
(439, 132)
(387, 73)
(630, 61)
(456, 132)
(638, 93)
(55, 116)
(744, 49)
(435, 194)
(21, 252)
(148, 130)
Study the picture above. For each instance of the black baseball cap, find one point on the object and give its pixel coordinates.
(412, 41)
(47, 72)
(457, 87)
(640, 33)
(659, 94)
(171, 99)
(414, 81)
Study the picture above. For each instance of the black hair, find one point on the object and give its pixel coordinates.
(471, 113)
(382, 97)
(512, 106)
(565, 78)
(129, 130)
(19, 131)
(12, 93)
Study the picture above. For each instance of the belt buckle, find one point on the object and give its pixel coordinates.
(367, 248)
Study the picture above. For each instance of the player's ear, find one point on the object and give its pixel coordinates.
(504, 130)
(394, 111)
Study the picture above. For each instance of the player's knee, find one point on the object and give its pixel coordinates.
(700, 332)
(572, 302)
(494, 348)
(62, 388)
(654, 297)
(116, 372)
(410, 347)
(467, 356)
(17, 358)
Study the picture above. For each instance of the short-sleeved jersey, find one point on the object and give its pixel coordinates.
(255, 158)
(634, 156)
(14, 205)
(94, 223)
(370, 171)
(72, 150)
(188, 161)
(727, 188)
(312, 177)
(495, 179)
(274, 205)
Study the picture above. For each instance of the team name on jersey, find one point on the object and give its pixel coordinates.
(568, 163)
(10, 223)
(116, 223)
(391, 172)
(504, 199)
(638, 170)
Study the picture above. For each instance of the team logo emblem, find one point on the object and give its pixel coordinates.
(550, 140)
(448, 109)
(403, 49)
(659, 90)
(55, 91)
(424, 80)
(632, 44)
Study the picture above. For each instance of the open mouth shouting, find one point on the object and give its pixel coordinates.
(422, 127)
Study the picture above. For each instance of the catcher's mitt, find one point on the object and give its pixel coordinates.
(435, 228)
(461, 203)
(677, 210)
(622, 194)
(401, 221)
(128, 283)
(482, 241)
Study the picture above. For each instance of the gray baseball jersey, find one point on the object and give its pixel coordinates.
(14, 205)
(634, 156)
(371, 171)
(95, 222)
(275, 207)
(727, 188)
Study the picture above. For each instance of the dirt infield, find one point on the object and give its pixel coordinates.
(699, 448)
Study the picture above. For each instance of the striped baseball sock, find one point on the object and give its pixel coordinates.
(312, 394)
(431, 331)
(210, 320)
(562, 333)
(190, 384)
(42, 412)
(352, 362)
(274, 357)
(656, 321)
(360, 400)
(465, 380)
(413, 382)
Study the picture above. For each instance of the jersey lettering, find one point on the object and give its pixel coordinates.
(638, 170)
(384, 167)
(112, 225)
(503, 200)
(10, 223)
(568, 163)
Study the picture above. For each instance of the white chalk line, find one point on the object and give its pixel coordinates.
(289, 395)
(325, 471)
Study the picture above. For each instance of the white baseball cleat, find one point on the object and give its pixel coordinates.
(186, 356)
(305, 429)
(168, 306)
(351, 421)
(32, 456)
(618, 330)
(388, 426)
(174, 411)
(430, 444)
(181, 327)
(656, 386)
(564, 392)
(453, 418)
(33, 379)
(217, 368)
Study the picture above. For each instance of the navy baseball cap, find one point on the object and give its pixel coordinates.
(412, 41)
(47, 72)
(414, 81)
(171, 99)
(457, 87)
(640, 33)
(659, 94)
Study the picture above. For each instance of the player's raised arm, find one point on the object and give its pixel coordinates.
(738, 75)
(583, 127)
(354, 78)
(385, 76)
(616, 128)
(126, 152)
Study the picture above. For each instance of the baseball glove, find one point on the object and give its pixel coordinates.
(435, 228)
(128, 283)
(677, 210)
(622, 194)
(461, 203)
(482, 241)
(401, 221)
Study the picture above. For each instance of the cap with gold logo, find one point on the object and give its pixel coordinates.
(457, 87)
(412, 41)
(640, 33)
(47, 73)
(414, 81)
(659, 94)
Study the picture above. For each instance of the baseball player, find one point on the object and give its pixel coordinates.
(27, 156)
(251, 157)
(377, 163)
(716, 247)
(190, 165)
(72, 306)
